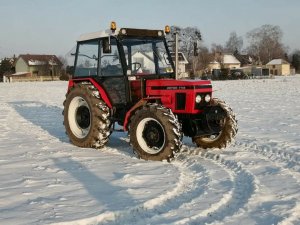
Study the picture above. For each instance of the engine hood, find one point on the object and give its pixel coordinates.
(171, 84)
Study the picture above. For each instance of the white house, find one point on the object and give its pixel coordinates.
(279, 67)
(228, 61)
(146, 60)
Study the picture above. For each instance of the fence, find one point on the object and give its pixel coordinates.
(28, 79)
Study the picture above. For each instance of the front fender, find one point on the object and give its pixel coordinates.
(138, 105)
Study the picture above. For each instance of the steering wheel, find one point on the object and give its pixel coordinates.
(135, 66)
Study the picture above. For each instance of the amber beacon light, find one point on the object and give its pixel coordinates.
(167, 29)
(113, 26)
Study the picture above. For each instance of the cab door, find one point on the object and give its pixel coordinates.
(111, 73)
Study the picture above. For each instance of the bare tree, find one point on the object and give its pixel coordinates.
(63, 61)
(187, 37)
(44, 69)
(295, 60)
(234, 43)
(265, 43)
(218, 50)
(204, 58)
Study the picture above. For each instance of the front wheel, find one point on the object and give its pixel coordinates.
(228, 130)
(155, 133)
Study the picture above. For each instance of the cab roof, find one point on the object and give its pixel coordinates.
(98, 34)
(121, 32)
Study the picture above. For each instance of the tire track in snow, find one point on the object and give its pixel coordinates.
(244, 186)
(273, 153)
(192, 182)
(283, 160)
(287, 166)
(4, 118)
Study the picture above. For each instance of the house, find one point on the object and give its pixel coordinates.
(146, 60)
(279, 67)
(226, 61)
(246, 60)
(182, 62)
(20, 76)
(39, 65)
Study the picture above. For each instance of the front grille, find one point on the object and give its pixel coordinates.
(180, 101)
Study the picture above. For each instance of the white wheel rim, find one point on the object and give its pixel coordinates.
(214, 137)
(141, 140)
(211, 138)
(76, 104)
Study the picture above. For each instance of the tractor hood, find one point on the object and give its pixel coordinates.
(171, 84)
(180, 95)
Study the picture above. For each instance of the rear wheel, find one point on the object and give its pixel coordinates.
(228, 130)
(86, 117)
(155, 133)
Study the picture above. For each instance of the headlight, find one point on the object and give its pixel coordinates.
(123, 31)
(198, 99)
(207, 98)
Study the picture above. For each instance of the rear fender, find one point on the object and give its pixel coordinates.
(91, 80)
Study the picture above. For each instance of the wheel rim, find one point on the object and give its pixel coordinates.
(214, 137)
(150, 135)
(79, 116)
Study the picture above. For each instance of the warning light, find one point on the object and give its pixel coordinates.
(113, 26)
(167, 29)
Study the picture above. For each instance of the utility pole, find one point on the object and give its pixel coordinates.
(52, 66)
(176, 55)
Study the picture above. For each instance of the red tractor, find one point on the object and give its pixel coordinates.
(127, 76)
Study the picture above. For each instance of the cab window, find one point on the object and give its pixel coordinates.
(87, 59)
(110, 64)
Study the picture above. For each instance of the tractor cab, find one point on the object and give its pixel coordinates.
(121, 59)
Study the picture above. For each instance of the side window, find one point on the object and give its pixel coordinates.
(87, 59)
(110, 64)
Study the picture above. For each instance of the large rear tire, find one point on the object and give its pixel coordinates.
(227, 134)
(86, 117)
(155, 133)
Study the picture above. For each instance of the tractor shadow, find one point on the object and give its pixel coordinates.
(47, 117)
(50, 119)
(103, 191)
(120, 141)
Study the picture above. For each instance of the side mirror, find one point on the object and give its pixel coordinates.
(106, 47)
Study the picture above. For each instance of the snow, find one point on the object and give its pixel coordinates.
(47, 180)
(277, 62)
(230, 59)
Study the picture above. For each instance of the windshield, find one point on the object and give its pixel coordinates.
(146, 56)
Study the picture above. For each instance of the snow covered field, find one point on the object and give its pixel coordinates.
(46, 180)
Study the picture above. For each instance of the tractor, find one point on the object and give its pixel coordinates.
(126, 77)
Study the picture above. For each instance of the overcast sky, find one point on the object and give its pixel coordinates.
(52, 26)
